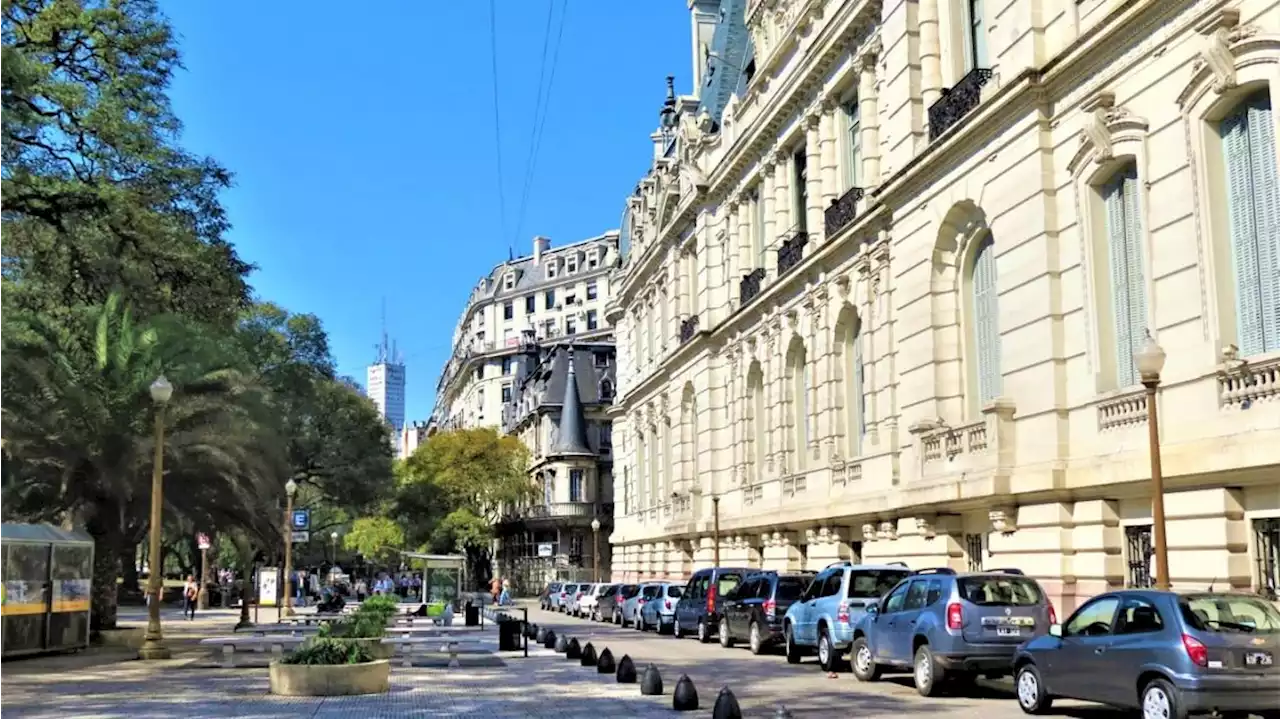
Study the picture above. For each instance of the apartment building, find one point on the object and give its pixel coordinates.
(559, 411)
(892, 264)
(555, 294)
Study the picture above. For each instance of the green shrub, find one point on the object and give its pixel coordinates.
(324, 651)
(358, 626)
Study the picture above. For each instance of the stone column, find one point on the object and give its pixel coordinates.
(731, 254)
(813, 185)
(781, 202)
(829, 151)
(767, 196)
(930, 53)
(824, 427)
(869, 117)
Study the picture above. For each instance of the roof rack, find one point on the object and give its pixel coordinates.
(937, 570)
(1007, 570)
(841, 563)
(896, 564)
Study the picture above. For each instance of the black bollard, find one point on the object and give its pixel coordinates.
(573, 650)
(605, 663)
(589, 658)
(685, 696)
(530, 631)
(562, 644)
(782, 713)
(550, 640)
(726, 706)
(651, 682)
(626, 670)
(540, 635)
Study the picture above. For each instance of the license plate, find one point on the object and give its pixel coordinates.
(1257, 659)
(1008, 631)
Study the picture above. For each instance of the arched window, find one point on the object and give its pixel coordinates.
(984, 334)
(854, 396)
(798, 376)
(1128, 275)
(755, 421)
(606, 391)
(1253, 203)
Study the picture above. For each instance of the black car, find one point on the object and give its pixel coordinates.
(755, 610)
(702, 598)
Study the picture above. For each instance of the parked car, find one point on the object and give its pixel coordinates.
(550, 596)
(754, 611)
(611, 607)
(567, 594)
(946, 626)
(1164, 653)
(645, 592)
(822, 619)
(605, 602)
(587, 604)
(698, 610)
(575, 600)
(660, 612)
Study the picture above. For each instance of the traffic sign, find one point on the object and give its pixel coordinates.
(202, 540)
(301, 519)
(301, 537)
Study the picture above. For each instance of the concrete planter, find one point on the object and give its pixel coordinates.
(330, 680)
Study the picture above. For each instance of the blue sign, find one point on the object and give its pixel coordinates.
(301, 519)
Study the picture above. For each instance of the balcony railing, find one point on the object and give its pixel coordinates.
(556, 510)
(749, 286)
(957, 102)
(688, 328)
(842, 211)
(791, 252)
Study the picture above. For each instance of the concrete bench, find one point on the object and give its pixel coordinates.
(405, 647)
(277, 645)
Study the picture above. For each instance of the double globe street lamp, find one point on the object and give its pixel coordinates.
(153, 646)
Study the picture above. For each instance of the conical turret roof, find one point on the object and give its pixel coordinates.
(572, 437)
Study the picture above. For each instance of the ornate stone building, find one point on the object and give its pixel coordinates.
(889, 270)
(559, 410)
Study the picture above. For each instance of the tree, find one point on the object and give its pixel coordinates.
(379, 539)
(452, 490)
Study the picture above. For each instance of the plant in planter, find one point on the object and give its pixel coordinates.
(362, 629)
(325, 666)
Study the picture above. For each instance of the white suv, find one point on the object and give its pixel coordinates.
(590, 595)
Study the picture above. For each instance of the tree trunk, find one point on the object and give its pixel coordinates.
(106, 570)
(129, 568)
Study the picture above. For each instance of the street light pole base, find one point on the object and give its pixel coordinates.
(153, 650)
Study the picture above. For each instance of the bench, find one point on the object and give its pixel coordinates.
(259, 644)
(405, 646)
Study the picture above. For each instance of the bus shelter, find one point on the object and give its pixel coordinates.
(443, 576)
(44, 600)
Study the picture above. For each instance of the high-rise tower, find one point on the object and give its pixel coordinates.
(385, 381)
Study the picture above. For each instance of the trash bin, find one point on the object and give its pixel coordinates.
(509, 635)
(472, 615)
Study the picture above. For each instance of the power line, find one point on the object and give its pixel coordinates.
(533, 124)
(497, 117)
(540, 122)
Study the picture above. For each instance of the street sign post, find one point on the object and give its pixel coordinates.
(202, 541)
(301, 520)
(301, 537)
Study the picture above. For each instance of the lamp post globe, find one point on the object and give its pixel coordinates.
(291, 488)
(1149, 360)
(161, 390)
(595, 525)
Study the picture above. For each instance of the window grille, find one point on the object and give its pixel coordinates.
(1139, 554)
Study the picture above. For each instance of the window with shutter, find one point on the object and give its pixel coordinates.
(858, 407)
(1253, 200)
(975, 35)
(853, 143)
(1128, 276)
(986, 328)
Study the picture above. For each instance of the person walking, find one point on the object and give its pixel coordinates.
(505, 598)
(495, 588)
(190, 596)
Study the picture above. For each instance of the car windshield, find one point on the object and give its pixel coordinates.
(874, 583)
(1000, 591)
(675, 591)
(790, 588)
(570, 588)
(726, 583)
(630, 591)
(1230, 613)
(650, 591)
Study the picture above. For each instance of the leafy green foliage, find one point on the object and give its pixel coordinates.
(327, 651)
(379, 539)
(361, 625)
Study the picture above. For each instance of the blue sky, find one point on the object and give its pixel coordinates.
(364, 152)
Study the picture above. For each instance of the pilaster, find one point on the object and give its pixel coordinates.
(827, 152)
(869, 118)
(813, 189)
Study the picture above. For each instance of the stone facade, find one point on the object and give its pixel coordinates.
(882, 304)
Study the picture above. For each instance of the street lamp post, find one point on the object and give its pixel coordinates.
(153, 641)
(333, 542)
(595, 548)
(290, 489)
(1150, 361)
(715, 529)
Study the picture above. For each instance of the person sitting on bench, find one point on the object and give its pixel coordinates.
(332, 602)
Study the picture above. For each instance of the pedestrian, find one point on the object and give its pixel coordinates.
(505, 598)
(190, 595)
(362, 589)
(495, 589)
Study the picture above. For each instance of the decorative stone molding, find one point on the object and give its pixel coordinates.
(1105, 125)
(925, 527)
(888, 530)
(869, 533)
(1226, 47)
(1003, 520)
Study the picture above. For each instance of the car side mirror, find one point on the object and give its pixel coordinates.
(1055, 630)
(873, 609)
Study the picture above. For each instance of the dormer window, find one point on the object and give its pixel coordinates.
(593, 259)
(509, 281)
(571, 263)
(551, 269)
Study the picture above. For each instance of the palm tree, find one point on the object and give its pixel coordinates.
(77, 418)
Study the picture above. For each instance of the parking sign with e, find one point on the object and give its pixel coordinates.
(301, 519)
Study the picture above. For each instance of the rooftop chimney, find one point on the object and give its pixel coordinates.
(540, 244)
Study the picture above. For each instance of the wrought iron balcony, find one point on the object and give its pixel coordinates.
(791, 252)
(688, 328)
(749, 286)
(560, 510)
(956, 102)
(842, 211)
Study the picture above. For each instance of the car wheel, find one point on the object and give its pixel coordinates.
(726, 640)
(926, 672)
(825, 652)
(639, 622)
(757, 642)
(864, 665)
(1030, 690)
(704, 633)
(793, 652)
(1161, 701)
(676, 630)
